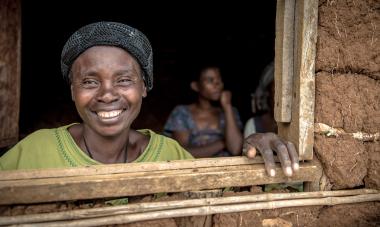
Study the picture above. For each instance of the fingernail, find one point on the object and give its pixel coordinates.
(272, 173)
(289, 171)
(296, 166)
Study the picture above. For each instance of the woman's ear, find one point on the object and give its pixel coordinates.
(144, 93)
(194, 86)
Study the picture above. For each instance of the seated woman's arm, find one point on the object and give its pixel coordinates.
(233, 135)
(203, 151)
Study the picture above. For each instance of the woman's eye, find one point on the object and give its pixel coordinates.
(209, 80)
(90, 83)
(125, 81)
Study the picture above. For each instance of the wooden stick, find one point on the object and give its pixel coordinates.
(208, 210)
(132, 184)
(156, 206)
(327, 130)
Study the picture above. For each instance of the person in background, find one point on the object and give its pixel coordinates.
(109, 67)
(211, 126)
(262, 104)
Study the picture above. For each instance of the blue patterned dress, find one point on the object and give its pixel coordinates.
(181, 119)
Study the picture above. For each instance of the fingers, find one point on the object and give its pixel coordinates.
(269, 162)
(283, 156)
(293, 156)
(266, 144)
(251, 153)
(249, 150)
(225, 98)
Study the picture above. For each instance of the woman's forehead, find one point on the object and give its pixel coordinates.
(106, 53)
(210, 72)
(106, 57)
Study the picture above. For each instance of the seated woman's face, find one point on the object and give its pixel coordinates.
(107, 88)
(210, 84)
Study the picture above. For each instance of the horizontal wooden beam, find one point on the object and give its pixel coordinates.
(111, 185)
(129, 168)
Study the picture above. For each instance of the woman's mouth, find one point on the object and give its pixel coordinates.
(109, 114)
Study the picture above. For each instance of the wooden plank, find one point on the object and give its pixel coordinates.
(313, 186)
(132, 184)
(283, 64)
(128, 168)
(300, 130)
(10, 39)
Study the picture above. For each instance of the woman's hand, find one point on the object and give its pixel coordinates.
(266, 144)
(225, 99)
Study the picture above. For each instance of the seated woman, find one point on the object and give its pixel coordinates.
(211, 126)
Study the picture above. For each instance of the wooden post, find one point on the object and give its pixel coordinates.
(300, 130)
(283, 62)
(10, 37)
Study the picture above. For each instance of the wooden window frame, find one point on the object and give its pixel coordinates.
(296, 37)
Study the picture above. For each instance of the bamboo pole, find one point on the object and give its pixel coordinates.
(173, 205)
(209, 210)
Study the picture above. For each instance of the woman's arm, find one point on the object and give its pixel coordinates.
(203, 151)
(233, 135)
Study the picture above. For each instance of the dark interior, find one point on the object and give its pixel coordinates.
(238, 36)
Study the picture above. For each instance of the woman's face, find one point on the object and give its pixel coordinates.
(210, 84)
(107, 88)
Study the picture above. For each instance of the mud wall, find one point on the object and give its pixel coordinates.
(348, 91)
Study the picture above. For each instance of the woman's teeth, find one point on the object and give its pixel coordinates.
(109, 114)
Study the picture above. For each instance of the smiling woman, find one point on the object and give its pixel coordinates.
(109, 67)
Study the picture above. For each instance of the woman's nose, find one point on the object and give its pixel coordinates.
(218, 83)
(107, 93)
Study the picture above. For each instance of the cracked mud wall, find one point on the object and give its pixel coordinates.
(348, 91)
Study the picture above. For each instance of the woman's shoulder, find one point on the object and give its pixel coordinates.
(42, 137)
(181, 109)
(162, 148)
(32, 151)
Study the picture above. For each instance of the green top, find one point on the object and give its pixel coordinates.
(56, 148)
